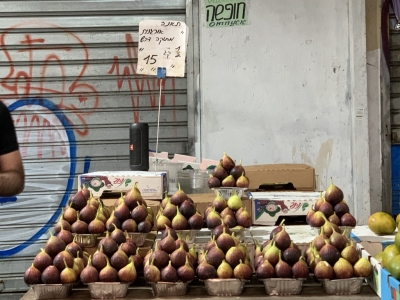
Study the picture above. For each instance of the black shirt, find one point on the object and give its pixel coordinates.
(8, 138)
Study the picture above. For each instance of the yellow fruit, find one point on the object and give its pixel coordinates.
(379, 257)
(394, 267)
(398, 219)
(381, 223)
(388, 254)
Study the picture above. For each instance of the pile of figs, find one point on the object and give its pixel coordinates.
(280, 257)
(58, 262)
(227, 212)
(117, 259)
(131, 213)
(224, 257)
(331, 255)
(171, 260)
(178, 212)
(85, 214)
(228, 174)
(331, 207)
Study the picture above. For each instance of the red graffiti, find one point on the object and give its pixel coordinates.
(143, 86)
(32, 81)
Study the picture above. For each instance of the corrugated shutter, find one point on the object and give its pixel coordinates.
(67, 73)
(394, 78)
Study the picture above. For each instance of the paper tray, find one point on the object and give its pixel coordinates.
(187, 235)
(226, 192)
(283, 286)
(52, 291)
(169, 289)
(138, 237)
(87, 240)
(343, 286)
(224, 287)
(108, 290)
(342, 229)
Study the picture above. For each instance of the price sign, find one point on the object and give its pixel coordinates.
(162, 44)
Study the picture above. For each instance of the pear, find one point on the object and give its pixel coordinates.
(343, 269)
(228, 181)
(169, 274)
(272, 254)
(179, 196)
(333, 194)
(32, 275)
(234, 202)
(282, 239)
(224, 270)
(132, 197)
(242, 271)
(206, 271)
(319, 201)
(227, 163)
(165, 200)
(215, 256)
(362, 268)
(89, 274)
(265, 270)
(186, 272)
(234, 255)
(67, 275)
(108, 273)
(282, 269)
(323, 270)
(128, 273)
(213, 182)
(225, 241)
(219, 172)
(242, 181)
(300, 269)
(237, 170)
(179, 222)
(213, 219)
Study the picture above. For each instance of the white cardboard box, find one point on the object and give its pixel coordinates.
(269, 206)
(152, 185)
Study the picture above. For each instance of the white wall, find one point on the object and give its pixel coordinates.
(291, 87)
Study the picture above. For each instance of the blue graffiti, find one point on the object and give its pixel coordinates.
(86, 165)
(72, 148)
(7, 199)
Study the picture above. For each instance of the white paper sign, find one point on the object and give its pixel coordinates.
(162, 44)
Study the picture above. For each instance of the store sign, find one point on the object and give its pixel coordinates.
(162, 44)
(225, 13)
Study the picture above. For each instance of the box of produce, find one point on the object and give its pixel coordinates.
(170, 266)
(151, 184)
(301, 176)
(267, 207)
(226, 259)
(180, 213)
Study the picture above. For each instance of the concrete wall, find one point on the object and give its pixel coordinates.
(291, 86)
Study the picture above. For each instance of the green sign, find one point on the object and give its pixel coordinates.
(225, 13)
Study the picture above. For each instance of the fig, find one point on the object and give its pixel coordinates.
(89, 274)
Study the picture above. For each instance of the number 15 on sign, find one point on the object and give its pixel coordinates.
(162, 44)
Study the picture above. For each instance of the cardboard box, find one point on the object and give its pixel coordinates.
(380, 281)
(300, 175)
(267, 207)
(152, 185)
(202, 201)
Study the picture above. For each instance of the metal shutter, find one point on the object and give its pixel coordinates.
(68, 76)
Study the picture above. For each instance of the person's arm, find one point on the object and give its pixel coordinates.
(12, 176)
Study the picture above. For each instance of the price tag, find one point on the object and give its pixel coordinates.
(162, 44)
